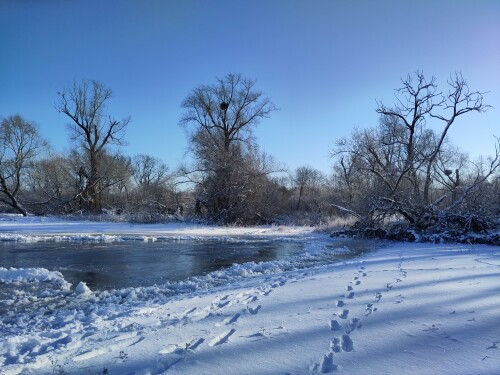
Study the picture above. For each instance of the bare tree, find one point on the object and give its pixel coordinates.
(149, 170)
(419, 101)
(154, 188)
(94, 130)
(226, 111)
(51, 184)
(20, 143)
(308, 181)
(221, 118)
(407, 161)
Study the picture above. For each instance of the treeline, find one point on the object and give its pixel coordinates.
(402, 170)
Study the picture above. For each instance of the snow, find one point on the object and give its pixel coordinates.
(26, 275)
(82, 288)
(402, 308)
(34, 229)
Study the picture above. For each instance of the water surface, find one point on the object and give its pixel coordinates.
(133, 263)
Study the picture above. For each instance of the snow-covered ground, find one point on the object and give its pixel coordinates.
(401, 309)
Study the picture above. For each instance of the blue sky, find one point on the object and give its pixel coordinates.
(322, 62)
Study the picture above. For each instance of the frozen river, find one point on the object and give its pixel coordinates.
(134, 263)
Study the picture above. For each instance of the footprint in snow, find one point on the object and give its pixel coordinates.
(278, 283)
(343, 344)
(334, 325)
(223, 304)
(357, 282)
(349, 295)
(354, 324)
(256, 336)
(340, 303)
(250, 299)
(120, 342)
(348, 288)
(346, 343)
(187, 312)
(343, 314)
(222, 338)
(232, 319)
(327, 364)
(193, 344)
(369, 309)
(335, 345)
(255, 310)
(493, 345)
(229, 320)
(183, 347)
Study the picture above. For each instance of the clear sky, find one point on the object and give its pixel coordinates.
(323, 63)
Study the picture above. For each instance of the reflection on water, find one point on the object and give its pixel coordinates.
(126, 264)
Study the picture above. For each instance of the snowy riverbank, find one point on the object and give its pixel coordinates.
(404, 308)
(33, 229)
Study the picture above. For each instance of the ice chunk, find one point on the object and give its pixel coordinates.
(82, 289)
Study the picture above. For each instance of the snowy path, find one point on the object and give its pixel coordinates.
(406, 308)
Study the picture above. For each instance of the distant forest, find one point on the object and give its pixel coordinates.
(401, 172)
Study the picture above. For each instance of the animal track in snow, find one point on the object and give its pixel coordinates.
(349, 295)
(255, 310)
(340, 303)
(119, 344)
(229, 320)
(346, 343)
(343, 314)
(223, 304)
(334, 325)
(354, 324)
(232, 319)
(335, 345)
(187, 312)
(222, 338)
(348, 288)
(357, 282)
(327, 364)
(378, 296)
(256, 336)
(181, 348)
(493, 345)
(401, 298)
(249, 299)
(369, 309)
(193, 344)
